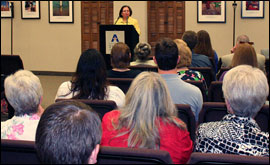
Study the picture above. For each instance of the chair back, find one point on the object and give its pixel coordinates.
(120, 155)
(122, 83)
(222, 69)
(211, 158)
(100, 106)
(207, 73)
(186, 115)
(215, 111)
(215, 93)
(143, 67)
(18, 152)
(201, 86)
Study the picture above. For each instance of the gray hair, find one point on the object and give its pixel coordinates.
(142, 51)
(245, 88)
(23, 91)
(147, 99)
(242, 38)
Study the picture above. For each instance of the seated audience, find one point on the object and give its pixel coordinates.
(204, 47)
(227, 59)
(245, 90)
(167, 58)
(120, 61)
(24, 92)
(142, 52)
(198, 60)
(148, 120)
(69, 132)
(90, 81)
(244, 55)
(185, 60)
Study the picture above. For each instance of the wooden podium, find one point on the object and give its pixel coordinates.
(110, 34)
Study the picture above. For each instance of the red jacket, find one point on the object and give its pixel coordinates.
(172, 139)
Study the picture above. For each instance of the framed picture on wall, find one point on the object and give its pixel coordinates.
(30, 9)
(252, 9)
(211, 12)
(6, 9)
(61, 12)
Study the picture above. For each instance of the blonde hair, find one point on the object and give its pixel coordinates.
(147, 99)
(184, 53)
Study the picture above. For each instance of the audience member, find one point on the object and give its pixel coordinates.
(185, 60)
(69, 132)
(142, 52)
(204, 47)
(120, 61)
(198, 60)
(24, 92)
(227, 59)
(148, 120)
(89, 81)
(245, 90)
(167, 58)
(244, 55)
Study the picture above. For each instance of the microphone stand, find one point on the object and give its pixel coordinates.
(234, 9)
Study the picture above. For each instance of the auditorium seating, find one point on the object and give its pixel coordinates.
(210, 158)
(18, 152)
(100, 106)
(215, 93)
(187, 116)
(122, 83)
(144, 68)
(222, 69)
(201, 86)
(119, 155)
(215, 111)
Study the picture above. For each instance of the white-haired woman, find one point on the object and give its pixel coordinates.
(245, 90)
(24, 92)
(148, 120)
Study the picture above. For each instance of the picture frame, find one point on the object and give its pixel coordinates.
(30, 9)
(211, 12)
(61, 12)
(7, 10)
(252, 9)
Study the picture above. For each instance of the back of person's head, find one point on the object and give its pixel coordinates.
(204, 45)
(120, 55)
(68, 133)
(244, 54)
(121, 10)
(90, 76)
(242, 38)
(190, 37)
(23, 90)
(166, 54)
(147, 99)
(245, 89)
(142, 51)
(184, 53)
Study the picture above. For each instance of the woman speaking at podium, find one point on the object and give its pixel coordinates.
(125, 18)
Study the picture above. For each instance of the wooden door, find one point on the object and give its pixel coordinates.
(165, 19)
(93, 14)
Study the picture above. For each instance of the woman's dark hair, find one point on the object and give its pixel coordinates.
(120, 12)
(90, 76)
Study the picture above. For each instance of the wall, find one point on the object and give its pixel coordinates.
(57, 47)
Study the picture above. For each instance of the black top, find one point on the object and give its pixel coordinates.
(125, 74)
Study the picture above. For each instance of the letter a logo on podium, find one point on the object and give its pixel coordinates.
(113, 37)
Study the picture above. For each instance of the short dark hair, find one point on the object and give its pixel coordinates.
(120, 55)
(190, 37)
(166, 54)
(67, 133)
(120, 12)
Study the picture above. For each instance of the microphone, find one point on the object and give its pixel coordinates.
(117, 20)
(127, 19)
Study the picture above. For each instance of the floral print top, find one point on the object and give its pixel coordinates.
(20, 127)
